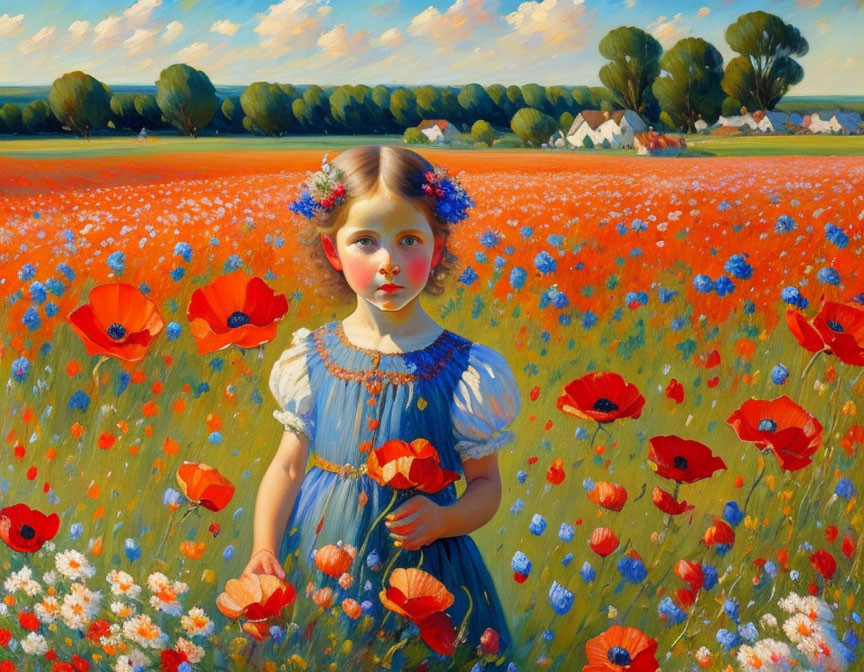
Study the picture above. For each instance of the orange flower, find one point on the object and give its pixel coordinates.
(603, 541)
(403, 466)
(192, 549)
(608, 495)
(323, 597)
(422, 599)
(555, 474)
(235, 309)
(351, 608)
(204, 485)
(258, 598)
(719, 533)
(335, 560)
(120, 322)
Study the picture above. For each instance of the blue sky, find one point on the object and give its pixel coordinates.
(392, 41)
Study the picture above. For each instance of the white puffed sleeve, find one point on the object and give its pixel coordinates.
(485, 402)
(289, 383)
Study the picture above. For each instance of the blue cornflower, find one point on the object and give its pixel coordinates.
(548, 635)
(145, 288)
(20, 369)
(836, 235)
(66, 270)
(518, 276)
(171, 496)
(638, 225)
(632, 569)
(669, 612)
(779, 374)
(727, 639)
(560, 598)
(621, 228)
(828, 275)
(468, 276)
(215, 437)
(710, 575)
(544, 263)
(567, 559)
(749, 307)
(587, 572)
(79, 400)
(55, 287)
(665, 295)
(731, 608)
(490, 239)
(724, 205)
(116, 262)
(555, 240)
(538, 524)
(178, 273)
(565, 532)
(27, 272)
(31, 319)
(172, 331)
(732, 514)
(132, 550)
(724, 286)
(520, 563)
(640, 298)
(276, 632)
(589, 319)
(480, 257)
(703, 283)
(527, 231)
(367, 606)
(304, 206)
(785, 224)
(794, 575)
(499, 263)
(373, 560)
(580, 434)
(770, 568)
(233, 262)
(183, 250)
(228, 553)
(845, 488)
(37, 292)
(738, 267)
(521, 475)
(517, 506)
(793, 297)
(588, 484)
(75, 530)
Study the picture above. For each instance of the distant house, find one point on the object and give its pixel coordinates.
(734, 124)
(834, 121)
(558, 140)
(438, 130)
(602, 128)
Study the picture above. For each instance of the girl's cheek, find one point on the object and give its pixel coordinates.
(362, 271)
(417, 268)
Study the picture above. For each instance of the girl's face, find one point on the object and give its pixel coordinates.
(385, 249)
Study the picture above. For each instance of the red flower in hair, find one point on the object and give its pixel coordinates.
(682, 460)
(25, 529)
(841, 327)
(601, 396)
(781, 426)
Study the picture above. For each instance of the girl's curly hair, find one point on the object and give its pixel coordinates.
(400, 171)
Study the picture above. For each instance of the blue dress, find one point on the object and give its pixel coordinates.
(457, 394)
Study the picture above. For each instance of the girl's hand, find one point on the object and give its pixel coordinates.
(418, 522)
(264, 561)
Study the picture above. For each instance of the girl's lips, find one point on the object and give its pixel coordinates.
(390, 287)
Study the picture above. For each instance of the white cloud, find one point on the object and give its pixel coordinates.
(195, 52)
(392, 37)
(668, 32)
(40, 39)
(336, 43)
(142, 40)
(288, 25)
(11, 25)
(77, 32)
(107, 33)
(172, 30)
(224, 27)
(455, 25)
(541, 30)
(703, 12)
(824, 25)
(139, 13)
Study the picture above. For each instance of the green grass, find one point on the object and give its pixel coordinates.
(777, 145)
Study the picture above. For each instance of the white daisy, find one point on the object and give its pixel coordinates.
(196, 622)
(75, 612)
(123, 609)
(48, 610)
(768, 621)
(194, 653)
(34, 644)
(141, 630)
(22, 580)
(122, 584)
(73, 565)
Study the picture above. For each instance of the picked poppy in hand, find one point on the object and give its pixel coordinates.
(403, 466)
(257, 598)
(422, 599)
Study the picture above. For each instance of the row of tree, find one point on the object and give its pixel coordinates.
(673, 89)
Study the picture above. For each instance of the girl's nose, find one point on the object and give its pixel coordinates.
(387, 271)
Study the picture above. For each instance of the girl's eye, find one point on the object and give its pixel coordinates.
(412, 240)
(362, 242)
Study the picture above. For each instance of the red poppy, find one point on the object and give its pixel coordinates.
(781, 426)
(719, 533)
(668, 504)
(259, 598)
(685, 598)
(824, 563)
(608, 495)
(690, 573)
(334, 560)
(204, 485)
(490, 642)
(235, 309)
(803, 331)
(404, 466)
(841, 327)
(119, 321)
(25, 529)
(848, 546)
(171, 659)
(555, 474)
(28, 621)
(603, 541)
(601, 396)
(675, 390)
(682, 460)
(621, 648)
(422, 599)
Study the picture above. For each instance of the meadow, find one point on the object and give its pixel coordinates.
(713, 525)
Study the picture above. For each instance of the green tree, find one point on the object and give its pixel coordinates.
(124, 114)
(730, 107)
(476, 102)
(80, 102)
(450, 107)
(559, 100)
(634, 62)
(186, 97)
(532, 126)
(268, 106)
(318, 105)
(764, 70)
(534, 96)
(10, 118)
(428, 102)
(482, 131)
(414, 136)
(403, 107)
(148, 110)
(37, 117)
(584, 99)
(565, 121)
(689, 87)
(514, 102)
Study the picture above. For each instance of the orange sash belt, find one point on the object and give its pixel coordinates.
(344, 470)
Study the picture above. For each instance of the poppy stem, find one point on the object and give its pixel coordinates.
(103, 358)
(753, 487)
(420, 564)
(810, 363)
(388, 657)
(464, 625)
(376, 521)
(390, 565)
(594, 436)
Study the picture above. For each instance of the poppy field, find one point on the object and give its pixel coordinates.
(682, 494)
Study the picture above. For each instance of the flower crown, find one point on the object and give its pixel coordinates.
(325, 189)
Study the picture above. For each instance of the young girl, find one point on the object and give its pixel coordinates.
(386, 371)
